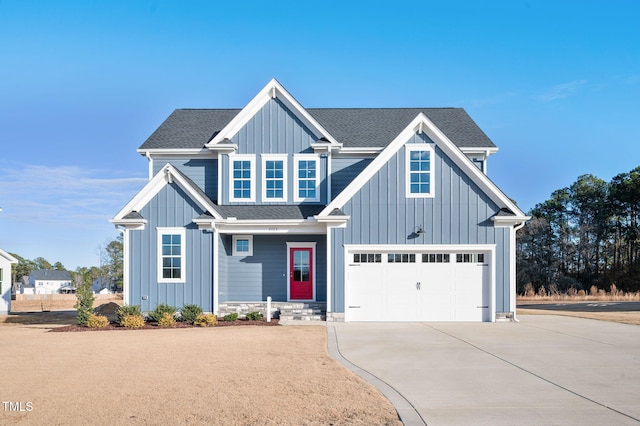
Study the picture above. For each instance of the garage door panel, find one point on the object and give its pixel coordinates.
(419, 286)
(366, 291)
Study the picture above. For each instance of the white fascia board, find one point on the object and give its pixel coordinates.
(333, 221)
(175, 151)
(422, 123)
(273, 89)
(7, 256)
(361, 150)
(167, 174)
(134, 224)
(265, 227)
(486, 152)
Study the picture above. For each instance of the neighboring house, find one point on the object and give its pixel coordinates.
(382, 214)
(101, 285)
(47, 281)
(5, 281)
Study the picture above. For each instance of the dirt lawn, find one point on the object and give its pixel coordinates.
(219, 376)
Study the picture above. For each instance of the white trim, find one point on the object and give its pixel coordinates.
(296, 182)
(490, 249)
(285, 166)
(175, 151)
(266, 227)
(329, 307)
(163, 177)
(183, 256)
(125, 265)
(8, 256)
(312, 246)
(361, 150)
(272, 90)
(216, 276)
(235, 252)
(409, 148)
(444, 143)
(252, 178)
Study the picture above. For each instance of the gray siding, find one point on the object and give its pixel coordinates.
(253, 278)
(171, 207)
(344, 170)
(202, 171)
(460, 213)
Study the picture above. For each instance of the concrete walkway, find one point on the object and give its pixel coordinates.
(545, 370)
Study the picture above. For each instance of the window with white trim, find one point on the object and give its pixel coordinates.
(274, 178)
(419, 171)
(470, 258)
(171, 255)
(242, 177)
(307, 178)
(242, 245)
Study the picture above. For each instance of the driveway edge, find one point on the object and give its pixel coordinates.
(407, 412)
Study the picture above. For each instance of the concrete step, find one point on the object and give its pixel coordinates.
(303, 317)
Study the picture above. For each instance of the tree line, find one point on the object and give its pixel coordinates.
(587, 234)
(110, 266)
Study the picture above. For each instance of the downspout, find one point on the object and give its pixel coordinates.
(513, 272)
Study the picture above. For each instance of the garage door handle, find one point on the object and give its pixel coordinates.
(418, 285)
(483, 307)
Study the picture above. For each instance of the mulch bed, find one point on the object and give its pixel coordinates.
(154, 326)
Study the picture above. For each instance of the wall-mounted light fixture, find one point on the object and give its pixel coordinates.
(419, 231)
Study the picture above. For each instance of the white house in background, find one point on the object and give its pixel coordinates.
(47, 281)
(5, 281)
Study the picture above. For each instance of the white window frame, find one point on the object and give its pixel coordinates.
(296, 180)
(234, 240)
(409, 148)
(183, 255)
(274, 157)
(252, 178)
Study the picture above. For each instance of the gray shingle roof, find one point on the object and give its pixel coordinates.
(353, 127)
(50, 274)
(242, 212)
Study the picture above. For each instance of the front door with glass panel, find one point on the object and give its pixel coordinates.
(300, 274)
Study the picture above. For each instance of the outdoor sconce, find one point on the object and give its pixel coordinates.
(420, 231)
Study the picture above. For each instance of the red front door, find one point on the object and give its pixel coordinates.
(300, 274)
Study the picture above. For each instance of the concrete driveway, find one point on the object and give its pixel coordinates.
(545, 370)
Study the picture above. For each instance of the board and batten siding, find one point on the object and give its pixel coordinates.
(202, 171)
(265, 273)
(171, 207)
(273, 130)
(459, 213)
(344, 170)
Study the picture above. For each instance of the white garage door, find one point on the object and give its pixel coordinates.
(418, 286)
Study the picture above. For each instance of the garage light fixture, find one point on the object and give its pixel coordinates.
(419, 231)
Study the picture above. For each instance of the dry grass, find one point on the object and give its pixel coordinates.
(600, 296)
(218, 376)
(621, 317)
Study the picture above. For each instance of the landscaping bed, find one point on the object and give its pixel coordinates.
(154, 326)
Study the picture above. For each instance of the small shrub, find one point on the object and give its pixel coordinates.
(97, 321)
(206, 320)
(254, 316)
(125, 310)
(167, 320)
(133, 321)
(189, 313)
(230, 317)
(160, 310)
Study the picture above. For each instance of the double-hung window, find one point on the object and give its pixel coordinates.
(243, 180)
(171, 255)
(419, 176)
(307, 178)
(274, 178)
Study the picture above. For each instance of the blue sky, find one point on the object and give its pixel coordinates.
(83, 83)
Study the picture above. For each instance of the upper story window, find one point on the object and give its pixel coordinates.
(171, 255)
(274, 177)
(419, 171)
(307, 178)
(243, 181)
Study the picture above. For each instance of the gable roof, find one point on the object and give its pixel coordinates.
(421, 123)
(349, 127)
(353, 127)
(168, 174)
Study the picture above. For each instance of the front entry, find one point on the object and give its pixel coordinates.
(301, 273)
